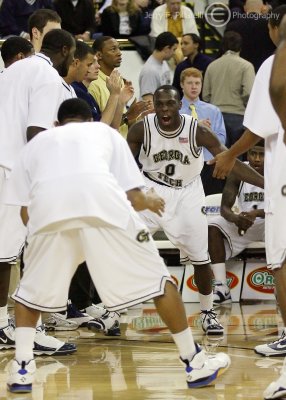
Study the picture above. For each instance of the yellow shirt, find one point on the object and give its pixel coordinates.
(99, 91)
(175, 26)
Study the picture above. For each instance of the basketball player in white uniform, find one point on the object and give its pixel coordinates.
(169, 146)
(230, 233)
(90, 164)
(262, 121)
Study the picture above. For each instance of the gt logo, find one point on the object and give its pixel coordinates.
(143, 236)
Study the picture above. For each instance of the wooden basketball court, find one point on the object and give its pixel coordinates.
(143, 362)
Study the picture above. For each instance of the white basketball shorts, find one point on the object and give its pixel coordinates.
(125, 266)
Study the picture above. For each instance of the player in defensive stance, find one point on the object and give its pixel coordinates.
(230, 233)
(73, 183)
(169, 146)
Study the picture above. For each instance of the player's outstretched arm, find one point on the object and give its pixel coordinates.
(206, 138)
(278, 77)
(149, 200)
(229, 194)
(135, 137)
(224, 162)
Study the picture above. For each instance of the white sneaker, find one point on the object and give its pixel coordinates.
(273, 349)
(7, 337)
(221, 294)
(59, 322)
(95, 311)
(49, 345)
(277, 389)
(74, 315)
(210, 323)
(203, 369)
(108, 323)
(21, 376)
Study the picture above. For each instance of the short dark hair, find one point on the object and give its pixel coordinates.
(165, 39)
(41, 17)
(277, 15)
(196, 39)
(231, 41)
(99, 43)
(14, 45)
(56, 39)
(167, 88)
(74, 108)
(82, 50)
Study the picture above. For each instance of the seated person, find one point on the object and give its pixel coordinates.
(230, 233)
(121, 20)
(191, 80)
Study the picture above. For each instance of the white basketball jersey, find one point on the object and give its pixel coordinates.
(250, 197)
(171, 158)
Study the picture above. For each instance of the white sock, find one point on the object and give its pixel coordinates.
(219, 272)
(24, 338)
(185, 343)
(4, 316)
(206, 301)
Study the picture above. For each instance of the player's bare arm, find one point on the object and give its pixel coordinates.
(206, 138)
(135, 137)
(24, 215)
(149, 200)
(225, 161)
(278, 78)
(244, 220)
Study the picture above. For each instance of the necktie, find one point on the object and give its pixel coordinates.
(193, 111)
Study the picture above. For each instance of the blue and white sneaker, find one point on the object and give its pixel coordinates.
(108, 323)
(21, 376)
(210, 323)
(74, 315)
(203, 370)
(273, 349)
(43, 344)
(49, 345)
(276, 389)
(221, 294)
(7, 337)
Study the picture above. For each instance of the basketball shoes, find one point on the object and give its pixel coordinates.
(221, 294)
(21, 376)
(203, 370)
(273, 349)
(277, 389)
(43, 344)
(210, 323)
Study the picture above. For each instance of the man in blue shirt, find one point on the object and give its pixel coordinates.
(191, 81)
(191, 45)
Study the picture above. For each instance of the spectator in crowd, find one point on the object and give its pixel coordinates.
(173, 17)
(78, 17)
(156, 71)
(230, 233)
(146, 9)
(14, 15)
(15, 48)
(253, 28)
(122, 19)
(41, 22)
(227, 84)
(207, 114)
(109, 57)
(191, 46)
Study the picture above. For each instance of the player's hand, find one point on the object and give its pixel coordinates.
(155, 203)
(224, 162)
(113, 82)
(244, 221)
